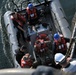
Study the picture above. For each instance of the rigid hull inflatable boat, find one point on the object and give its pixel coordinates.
(51, 23)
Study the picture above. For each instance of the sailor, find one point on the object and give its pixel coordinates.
(59, 44)
(68, 65)
(19, 21)
(20, 53)
(26, 61)
(40, 47)
(46, 38)
(32, 14)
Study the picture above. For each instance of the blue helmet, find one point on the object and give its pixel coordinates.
(56, 36)
(30, 6)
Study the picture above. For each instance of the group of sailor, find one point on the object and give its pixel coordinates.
(31, 18)
(59, 45)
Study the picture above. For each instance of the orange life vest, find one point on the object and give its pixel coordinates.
(32, 13)
(25, 63)
(43, 36)
(40, 48)
(61, 46)
(20, 19)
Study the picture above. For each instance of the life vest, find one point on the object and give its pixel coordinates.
(28, 62)
(40, 48)
(31, 13)
(43, 36)
(20, 19)
(61, 46)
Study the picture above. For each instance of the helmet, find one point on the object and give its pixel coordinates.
(58, 57)
(56, 36)
(30, 6)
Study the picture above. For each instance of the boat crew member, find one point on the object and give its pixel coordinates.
(20, 53)
(32, 14)
(46, 38)
(42, 50)
(68, 65)
(60, 44)
(26, 61)
(40, 47)
(19, 22)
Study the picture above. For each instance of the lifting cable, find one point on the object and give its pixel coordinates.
(72, 41)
